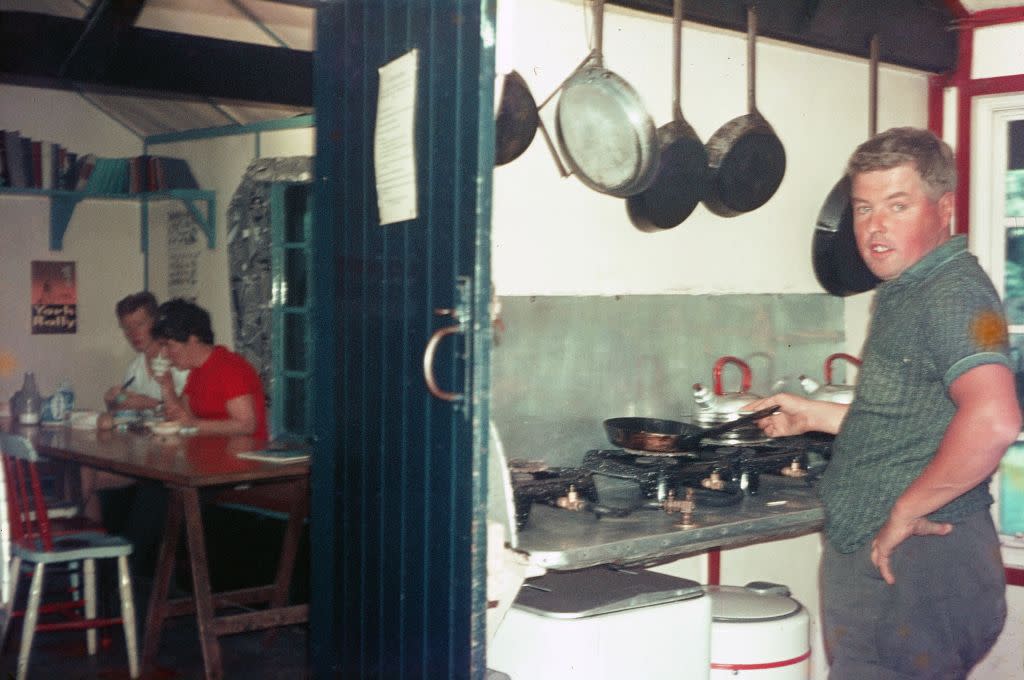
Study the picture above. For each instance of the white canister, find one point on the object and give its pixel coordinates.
(604, 624)
(758, 631)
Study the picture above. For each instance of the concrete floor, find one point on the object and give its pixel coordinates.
(63, 655)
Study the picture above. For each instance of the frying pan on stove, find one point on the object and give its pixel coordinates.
(746, 158)
(670, 436)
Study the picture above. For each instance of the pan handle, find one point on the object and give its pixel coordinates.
(838, 355)
(428, 357)
(716, 372)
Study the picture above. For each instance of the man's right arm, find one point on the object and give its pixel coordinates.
(797, 415)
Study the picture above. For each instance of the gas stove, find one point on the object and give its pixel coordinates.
(618, 482)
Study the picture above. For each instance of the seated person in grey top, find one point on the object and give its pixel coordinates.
(912, 580)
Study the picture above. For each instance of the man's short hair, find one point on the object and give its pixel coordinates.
(931, 156)
(178, 319)
(134, 302)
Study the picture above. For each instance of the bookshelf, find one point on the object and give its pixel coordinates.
(63, 204)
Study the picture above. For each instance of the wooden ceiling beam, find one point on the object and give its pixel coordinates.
(34, 48)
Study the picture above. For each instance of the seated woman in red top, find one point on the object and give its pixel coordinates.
(223, 394)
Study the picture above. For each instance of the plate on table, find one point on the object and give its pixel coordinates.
(165, 428)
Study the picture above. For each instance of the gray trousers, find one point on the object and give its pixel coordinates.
(936, 622)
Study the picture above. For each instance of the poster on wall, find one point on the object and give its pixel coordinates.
(54, 297)
(183, 250)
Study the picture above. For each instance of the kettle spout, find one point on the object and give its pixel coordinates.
(809, 385)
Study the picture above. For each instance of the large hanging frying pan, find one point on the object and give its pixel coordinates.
(746, 157)
(606, 135)
(838, 265)
(682, 170)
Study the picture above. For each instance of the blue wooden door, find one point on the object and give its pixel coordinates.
(399, 500)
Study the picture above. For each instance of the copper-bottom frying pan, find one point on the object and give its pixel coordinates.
(669, 436)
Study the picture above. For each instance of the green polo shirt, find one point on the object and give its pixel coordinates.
(937, 320)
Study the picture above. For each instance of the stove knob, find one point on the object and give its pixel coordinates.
(794, 469)
(572, 500)
(715, 481)
(686, 507)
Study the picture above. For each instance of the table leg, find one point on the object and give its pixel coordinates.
(201, 582)
(157, 610)
(290, 543)
(289, 547)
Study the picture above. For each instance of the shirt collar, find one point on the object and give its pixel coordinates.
(923, 268)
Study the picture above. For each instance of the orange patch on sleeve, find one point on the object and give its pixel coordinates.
(989, 330)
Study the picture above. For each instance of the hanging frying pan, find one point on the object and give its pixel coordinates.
(516, 121)
(683, 166)
(746, 157)
(606, 135)
(838, 265)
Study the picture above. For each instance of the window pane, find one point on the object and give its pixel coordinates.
(294, 342)
(295, 278)
(295, 197)
(295, 405)
(1013, 297)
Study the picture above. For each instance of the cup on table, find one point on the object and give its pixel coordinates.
(160, 364)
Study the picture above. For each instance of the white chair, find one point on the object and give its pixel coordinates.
(34, 542)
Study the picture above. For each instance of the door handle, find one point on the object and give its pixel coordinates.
(431, 349)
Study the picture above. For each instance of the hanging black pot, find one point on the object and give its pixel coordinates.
(746, 157)
(682, 173)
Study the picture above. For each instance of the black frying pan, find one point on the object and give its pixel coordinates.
(669, 436)
(746, 158)
(682, 171)
(838, 265)
(516, 122)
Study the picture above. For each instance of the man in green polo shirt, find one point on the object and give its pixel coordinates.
(912, 580)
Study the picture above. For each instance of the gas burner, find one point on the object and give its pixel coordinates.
(542, 484)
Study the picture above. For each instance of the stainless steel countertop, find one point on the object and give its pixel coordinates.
(560, 539)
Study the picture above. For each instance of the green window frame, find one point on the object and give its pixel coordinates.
(291, 304)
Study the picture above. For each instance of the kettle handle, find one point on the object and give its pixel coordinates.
(838, 355)
(716, 372)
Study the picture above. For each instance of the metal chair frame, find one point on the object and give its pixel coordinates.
(33, 541)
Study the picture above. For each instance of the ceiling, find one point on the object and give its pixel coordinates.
(164, 66)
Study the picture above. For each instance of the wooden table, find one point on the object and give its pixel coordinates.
(186, 466)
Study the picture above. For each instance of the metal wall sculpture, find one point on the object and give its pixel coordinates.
(250, 238)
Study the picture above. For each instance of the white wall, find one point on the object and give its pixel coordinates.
(102, 239)
(578, 241)
(219, 164)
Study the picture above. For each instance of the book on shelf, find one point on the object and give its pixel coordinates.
(170, 173)
(14, 152)
(26, 162)
(5, 179)
(37, 163)
(86, 164)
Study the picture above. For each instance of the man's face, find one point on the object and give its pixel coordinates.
(894, 220)
(136, 327)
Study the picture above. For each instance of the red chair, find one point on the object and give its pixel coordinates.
(33, 541)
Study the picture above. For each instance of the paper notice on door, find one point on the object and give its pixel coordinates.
(394, 140)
